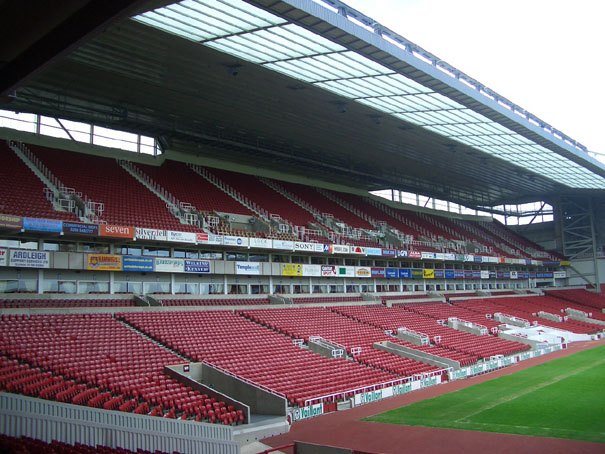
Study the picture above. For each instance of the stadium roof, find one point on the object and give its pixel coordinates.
(320, 90)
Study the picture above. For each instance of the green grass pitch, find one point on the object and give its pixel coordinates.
(564, 398)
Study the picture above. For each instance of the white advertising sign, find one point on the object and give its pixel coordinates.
(250, 268)
(150, 234)
(29, 259)
(181, 237)
(165, 265)
(263, 243)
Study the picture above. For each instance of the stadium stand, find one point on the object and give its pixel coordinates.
(22, 191)
(125, 200)
(92, 359)
(257, 354)
(63, 303)
(23, 445)
(580, 296)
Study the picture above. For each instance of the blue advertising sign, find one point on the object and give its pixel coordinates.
(476, 274)
(468, 274)
(449, 274)
(389, 252)
(391, 273)
(478, 258)
(137, 263)
(458, 274)
(405, 273)
(79, 228)
(197, 266)
(439, 274)
(43, 225)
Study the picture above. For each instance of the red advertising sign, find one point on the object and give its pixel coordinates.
(8, 221)
(116, 231)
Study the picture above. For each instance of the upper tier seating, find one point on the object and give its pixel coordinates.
(22, 191)
(95, 360)
(325, 299)
(266, 197)
(187, 186)
(126, 201)
(257, 354)
(324, 205)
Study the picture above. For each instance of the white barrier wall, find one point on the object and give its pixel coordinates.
(48, 421)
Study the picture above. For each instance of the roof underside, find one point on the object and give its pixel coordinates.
(304, 90)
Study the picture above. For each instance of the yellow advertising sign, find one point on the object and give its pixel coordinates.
(104, 262)
(429, 274)
(291, 269)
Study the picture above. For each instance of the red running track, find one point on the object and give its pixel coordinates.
(344, 428)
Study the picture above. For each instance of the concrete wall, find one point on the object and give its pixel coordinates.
(417, 355)
(260, 401)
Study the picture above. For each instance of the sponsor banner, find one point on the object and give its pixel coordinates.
(196, 266)
(428, 274)
(439, 274)
(391, 273)
(514, 275)
(150, 234)
(103, 262)
(309, 411)
(327, 249)
(493, 275)
(484, 274)
(565, 263)
(505, 260)
(428, 255)
(460, 257)
(478, 259)
(357, 250)
(281, 244)
(235, 241)
(468, 274)
(415, 254)
(363, 271)
(319, 247)
(79, 228)
(417, 274)
(544, 275)
(406, 273)
(169, 265)
(291, 269)
(373, 251)
(439, 256)
(396, 390)
(526, 262)
(449, 257)
(3, 257)
(477, 274)
(556, 274)
(402, 253)
(329, 270)
(389, 252)
(208, 238)
(116, 231)
(458, 274)
(378, 272)
(492, 259)
(29, 259)
(346, 271)
(535, 262)
(43, 225)
(311, 270)
(306, 247)
(137, 263)
(469, 258)
(523, 275)
(341, 249)
(8, 221)
(181, 237)
(532, 274)
(261, 243)
(250, 268)
(551, 263)
(449, 274)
